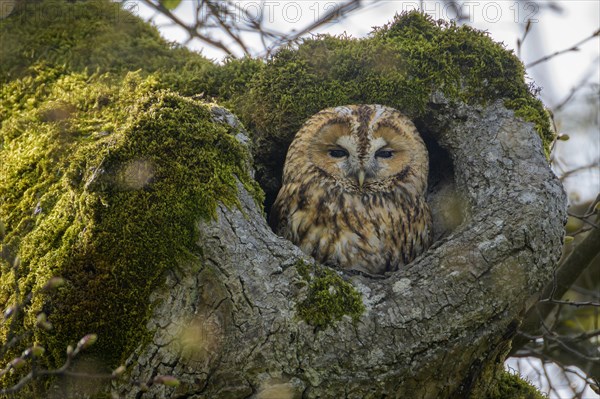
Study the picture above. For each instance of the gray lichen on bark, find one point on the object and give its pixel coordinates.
(227, 325)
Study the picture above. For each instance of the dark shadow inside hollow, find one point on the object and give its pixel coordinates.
(446, 202)
(269, 172)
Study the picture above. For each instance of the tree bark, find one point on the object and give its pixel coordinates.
(227, 327)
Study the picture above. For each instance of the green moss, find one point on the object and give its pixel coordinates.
(95, 36)
(329, 297)
(232, 78)
(399, 65)
(533, 111)
(511, 386)
(104, 173)
(103, 181)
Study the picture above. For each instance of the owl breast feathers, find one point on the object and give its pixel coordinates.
(353, 193)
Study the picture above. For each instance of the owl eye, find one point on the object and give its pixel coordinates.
(384, 153)
(338, 153)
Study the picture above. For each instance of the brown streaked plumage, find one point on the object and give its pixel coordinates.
(353, 193)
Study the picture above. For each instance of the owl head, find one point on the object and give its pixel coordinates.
(361, 149)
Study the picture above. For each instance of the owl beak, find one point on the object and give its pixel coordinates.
(361, 177)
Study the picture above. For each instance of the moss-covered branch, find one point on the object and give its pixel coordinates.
(103, 180)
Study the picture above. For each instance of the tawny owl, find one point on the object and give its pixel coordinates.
(353, 193)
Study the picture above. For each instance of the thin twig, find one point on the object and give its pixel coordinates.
(214, 9)
(575, 47)
(550, 336)
(192, 32)
(576, 304)
(584, 220)
(587, 77)
(235, 20)
(579, 169)
(522, 39)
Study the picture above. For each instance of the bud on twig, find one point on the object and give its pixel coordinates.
(17, 362)
(37, 350)
(87, 341)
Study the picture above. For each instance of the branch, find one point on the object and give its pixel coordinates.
(35, 352)
(570, 303)
(220, 12)
(564, 278)
(574, 265)
(338, 10)
(588, 76)
(584, 220)
(226, 28)
(522, 39)
(192, 32)
(560, 358)
(578, 170)
(575, 47)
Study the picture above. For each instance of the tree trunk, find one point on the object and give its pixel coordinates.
(228, 326)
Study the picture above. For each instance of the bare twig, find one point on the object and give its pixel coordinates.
(521, 40)
(584, 219)
(228, 29)
(190, 30)
(570, 303)
(569, 270)
(575, 89)
(30, 353)
(338, 11)
(575, 47)
(235, 21)
(579, 169)
(593, 294)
